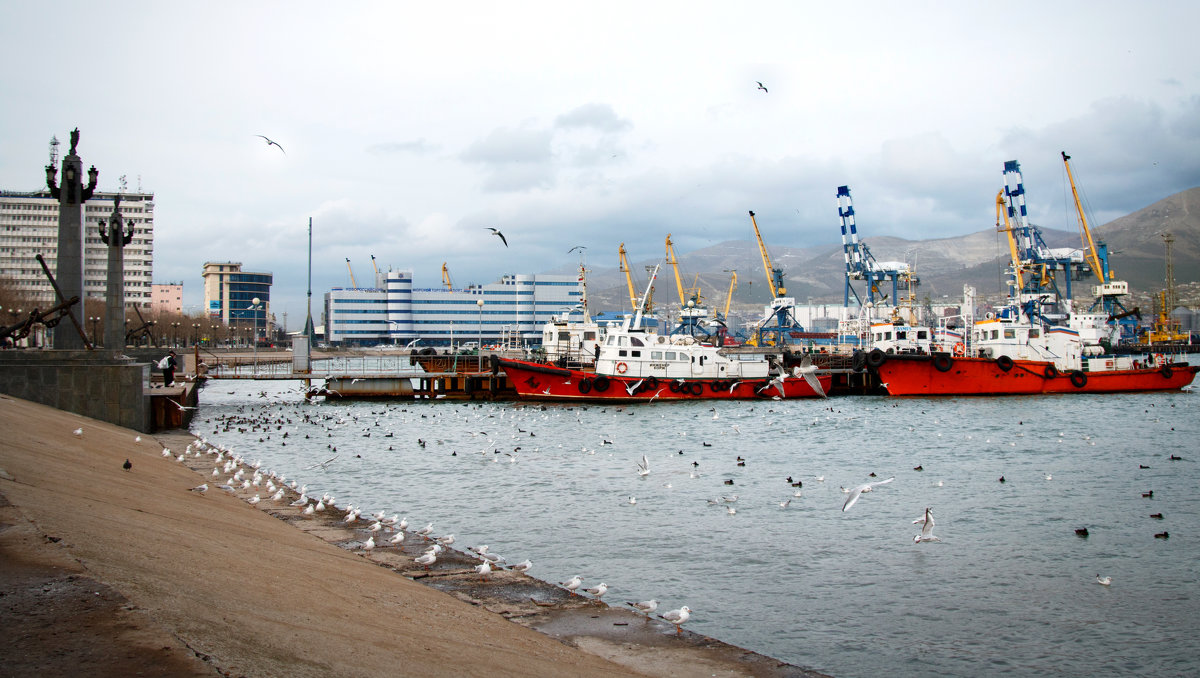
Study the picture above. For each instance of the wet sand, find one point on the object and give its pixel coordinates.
(112, 572)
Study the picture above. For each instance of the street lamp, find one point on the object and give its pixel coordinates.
(256, 306)
(195, 334)
(175, 334)
(94, 320)
(479, 303)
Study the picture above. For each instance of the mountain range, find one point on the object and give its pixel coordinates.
(817, 273)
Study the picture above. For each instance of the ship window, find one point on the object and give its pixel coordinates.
(1010, 334)
(1034, 333)
(922, 334)
(635, 354)
(589, 336)
(622, 353)
(995, 334)
(624, 341)
(635, 341)
(564, 336)
(656, 355)
(670, 355)
(901, 335)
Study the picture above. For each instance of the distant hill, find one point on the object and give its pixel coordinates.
(944, 265)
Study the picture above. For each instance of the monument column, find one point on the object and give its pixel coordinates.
(114, 235)
(71, 196)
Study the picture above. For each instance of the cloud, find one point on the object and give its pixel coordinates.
(513, 159)
(416, 147)
(600, 117)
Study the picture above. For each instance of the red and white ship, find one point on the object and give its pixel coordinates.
(637, 364)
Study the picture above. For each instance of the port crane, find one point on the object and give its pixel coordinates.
(1110, 290)
(446, 280)
(862, 265)
(1164, 328)
(1039, 293)
(633, 305)
(691, 307)
(729, 297)
(782, 312)
(353, 285)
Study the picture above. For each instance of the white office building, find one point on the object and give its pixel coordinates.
(394, 312)
(29, 226)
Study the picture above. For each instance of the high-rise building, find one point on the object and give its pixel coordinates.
(395, 312)
(229, 294)
(166, 298)
(29, 226)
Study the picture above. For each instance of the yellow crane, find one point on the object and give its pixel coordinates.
(633, 305)
(446, 277)
(729, 297)
(375, 266)
(774, 275)
(353, 285)
(694, 290)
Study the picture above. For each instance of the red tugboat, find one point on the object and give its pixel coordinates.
(637, 364)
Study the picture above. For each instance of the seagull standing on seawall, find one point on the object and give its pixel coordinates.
(273, 143)
(677, 617)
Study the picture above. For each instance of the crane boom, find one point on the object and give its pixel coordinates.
(633, 304)
(729, 297)
(674, 264)
(446, 277)
(1002, 218)
(353, 285)
(774, 275)
(1089, 246)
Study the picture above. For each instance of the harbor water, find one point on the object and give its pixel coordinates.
(1010, 588)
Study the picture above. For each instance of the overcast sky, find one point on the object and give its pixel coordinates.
(411, 127)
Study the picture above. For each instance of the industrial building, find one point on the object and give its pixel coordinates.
(394, 312)
(29, 226)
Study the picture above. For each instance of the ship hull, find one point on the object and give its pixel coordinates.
(942, 374)
(535, 381)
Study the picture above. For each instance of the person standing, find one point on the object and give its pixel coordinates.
(168, 365)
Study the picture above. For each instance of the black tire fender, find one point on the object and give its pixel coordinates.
(942, 362)
(876, 358)
(1078, 379)
(1004, 362)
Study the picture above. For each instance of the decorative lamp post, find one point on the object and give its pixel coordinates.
(195, 334)
(256, 306)
(175, 334)
(479, 303)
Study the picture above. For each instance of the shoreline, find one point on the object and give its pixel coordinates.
(201, 582)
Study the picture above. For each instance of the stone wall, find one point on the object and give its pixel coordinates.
(95, 384)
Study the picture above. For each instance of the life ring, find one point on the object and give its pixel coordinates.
(1004, 362)
(1050, 372)
(621, 368)
(942, 362)
(1166, 371)
(1159, 359)
(585, 386)
(876, 358)
(601, 384)
(960, 349)
(1078, 379)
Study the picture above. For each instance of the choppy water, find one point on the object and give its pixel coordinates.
(1010, 589)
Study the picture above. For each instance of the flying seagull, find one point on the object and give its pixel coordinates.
(806, 370)
(858, 491)
(577, 247)
(927, 523)
(498, 233)
(273, 143)
(761, 86)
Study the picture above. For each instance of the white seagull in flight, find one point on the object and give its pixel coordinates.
(857, 492)
(498, 233)
(926, 522)
(806, 370)
(273, 143)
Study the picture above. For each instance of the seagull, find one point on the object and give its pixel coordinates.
(926, 528)
(598, 591)
(761, 86)
(643, 467)
(677, 617)
(523, 566)
(425, 559)
(646, 606)
(1104, 581)
(127, 465)
(273, 143)
(369, 543)
(78, 431)
(484, 569)
(572, 584)
(806, 369)
(399, 537)
(200, 488)
(577, 247)
(425, 531)
(857, 492)
(498, 233)
(630, 388)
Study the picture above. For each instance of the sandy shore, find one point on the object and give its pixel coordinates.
(112, 573)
